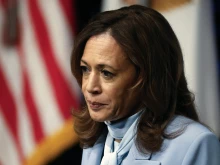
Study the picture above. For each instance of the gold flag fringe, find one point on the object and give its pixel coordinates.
(52, 146)
(165, 5)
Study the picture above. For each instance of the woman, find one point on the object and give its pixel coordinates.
(138, 109)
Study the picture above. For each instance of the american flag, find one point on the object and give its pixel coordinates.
(37, 90)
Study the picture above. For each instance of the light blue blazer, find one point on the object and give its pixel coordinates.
(195, 146)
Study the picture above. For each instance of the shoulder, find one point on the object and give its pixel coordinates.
(190, 129)
(195, 145)
(192, 132)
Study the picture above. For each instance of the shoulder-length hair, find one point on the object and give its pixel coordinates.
(149, 42)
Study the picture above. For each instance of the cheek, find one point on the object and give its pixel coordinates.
(116, 95)
(126, 97)
(83, 86)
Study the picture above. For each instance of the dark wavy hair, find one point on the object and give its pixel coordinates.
(149, 42)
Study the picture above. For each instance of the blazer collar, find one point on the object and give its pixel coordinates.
(135, 157)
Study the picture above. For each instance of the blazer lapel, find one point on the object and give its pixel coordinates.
(137, 158)
(93, 155)
(96, 154)
(143, 159)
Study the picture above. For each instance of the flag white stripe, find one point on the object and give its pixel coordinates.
(11, 69)
(25, 129)
(8, 150)
(10, 65)
(10, 62)
(39, 79)
(61, 37)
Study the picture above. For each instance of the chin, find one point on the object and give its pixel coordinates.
(100, 116)
(97, 117)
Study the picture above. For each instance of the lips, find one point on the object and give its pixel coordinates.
(95, 105)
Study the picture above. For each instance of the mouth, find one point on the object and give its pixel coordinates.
(95, 105)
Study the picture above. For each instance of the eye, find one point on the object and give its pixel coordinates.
(107, 74)
(84, 70)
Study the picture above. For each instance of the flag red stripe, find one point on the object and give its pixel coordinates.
(31, 106)
(68, 7)
(63, 94)
(8, 105)
(9, 112)
(32, 110)
(3, 3)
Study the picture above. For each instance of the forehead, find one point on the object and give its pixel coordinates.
(105, 49)
(102, 40)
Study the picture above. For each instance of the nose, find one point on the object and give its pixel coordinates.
(93, 85)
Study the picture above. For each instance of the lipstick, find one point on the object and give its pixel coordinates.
(95, 105)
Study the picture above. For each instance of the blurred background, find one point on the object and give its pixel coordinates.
(38, 92)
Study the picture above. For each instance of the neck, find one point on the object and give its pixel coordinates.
(117, 129)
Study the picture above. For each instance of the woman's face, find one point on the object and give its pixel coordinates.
(107, 75)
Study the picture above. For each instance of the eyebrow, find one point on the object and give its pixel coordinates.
(100, 66)
(84, 62)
